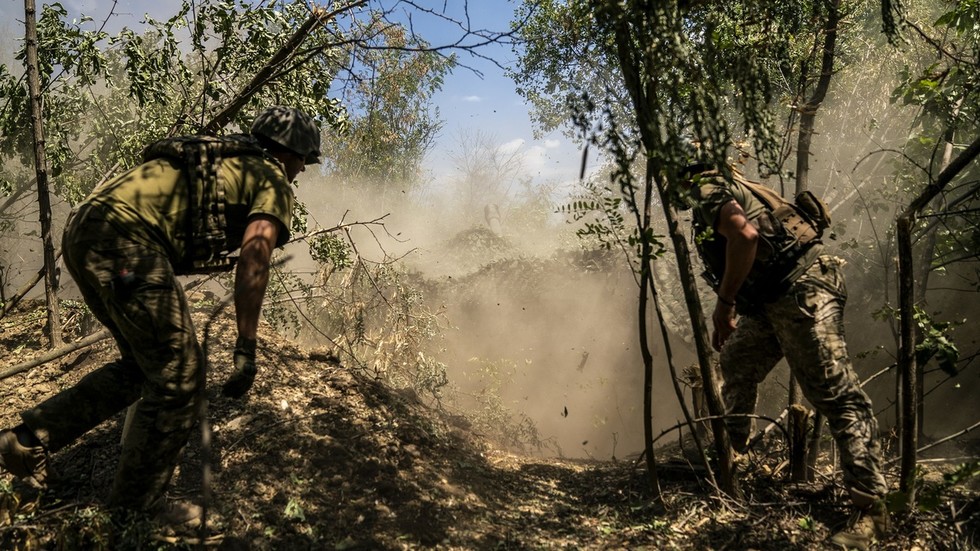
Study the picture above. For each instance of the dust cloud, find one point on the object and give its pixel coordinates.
(539, 334)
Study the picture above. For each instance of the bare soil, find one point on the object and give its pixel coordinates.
(319, 456)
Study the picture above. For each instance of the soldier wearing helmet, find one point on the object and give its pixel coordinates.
(193, 201)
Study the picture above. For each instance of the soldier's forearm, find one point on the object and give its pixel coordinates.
(252, 275)
(251, 280)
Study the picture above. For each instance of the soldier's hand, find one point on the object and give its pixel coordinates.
(241, 380)
(724, 322)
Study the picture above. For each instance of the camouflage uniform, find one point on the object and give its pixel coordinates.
(121, 247)
(804, 324)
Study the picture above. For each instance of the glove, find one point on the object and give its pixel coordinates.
(241, 380)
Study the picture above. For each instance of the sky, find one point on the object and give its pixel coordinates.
(475, 98)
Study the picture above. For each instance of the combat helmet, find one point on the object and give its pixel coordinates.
(290, 128)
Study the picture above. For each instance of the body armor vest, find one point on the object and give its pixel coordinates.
(205, 229)
(786, 233)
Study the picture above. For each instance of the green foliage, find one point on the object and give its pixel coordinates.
(936, 342)
(564, 64)
(393, 125)
(70, 62)
(936, 337)
(931, 497)
(945, 85)
(329, 249)
(708, 71)
(600, 210)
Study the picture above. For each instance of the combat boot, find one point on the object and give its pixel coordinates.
(23, 461)
(179, 516)
(867, 525)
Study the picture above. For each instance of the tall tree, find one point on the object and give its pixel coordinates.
(950, 115)
(40, 161)
(393, 123)
(692, 71)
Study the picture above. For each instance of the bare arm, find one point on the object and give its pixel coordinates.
(742, 239)
(252, 275)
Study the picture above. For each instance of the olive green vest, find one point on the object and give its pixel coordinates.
(787, 245)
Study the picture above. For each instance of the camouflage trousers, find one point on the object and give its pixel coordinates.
(806, 326)
(132, 290)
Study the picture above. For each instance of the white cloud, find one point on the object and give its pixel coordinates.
(472, 99)
(536, 159)
(512, 146)
(551, 144)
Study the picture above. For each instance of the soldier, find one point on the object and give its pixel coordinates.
(192, 201)
(774, 272)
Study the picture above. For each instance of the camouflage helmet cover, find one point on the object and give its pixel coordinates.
(290, 128)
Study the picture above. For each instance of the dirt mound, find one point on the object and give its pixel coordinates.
(318, 456)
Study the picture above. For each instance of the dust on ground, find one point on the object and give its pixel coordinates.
(320, 456)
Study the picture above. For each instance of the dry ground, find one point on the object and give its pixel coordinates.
(318, 456)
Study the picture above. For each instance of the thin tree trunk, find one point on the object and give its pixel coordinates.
(808, 117)
(709, 376)
(906, 358)
(645, 277)
(41, 165)
(927, 251)
(809, 111)
(642, 94)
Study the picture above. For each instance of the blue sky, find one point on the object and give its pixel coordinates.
(469, 102)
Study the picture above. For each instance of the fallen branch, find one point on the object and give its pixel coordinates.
(57, 353)
(938, 442)
(773, 422)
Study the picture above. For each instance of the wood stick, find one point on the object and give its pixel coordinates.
(55, 354)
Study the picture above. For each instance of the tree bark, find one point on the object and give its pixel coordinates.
(906, 357)
(645, 277)
(56, 353)
(807, 122)
(40, 162)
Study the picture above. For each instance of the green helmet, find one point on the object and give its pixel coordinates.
(290, 128)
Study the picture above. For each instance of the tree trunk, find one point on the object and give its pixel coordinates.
(40, 161)
(906, 358)
(927, 251)
(709, 376)
(808, 117)
(645, 276)
(642, 94)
